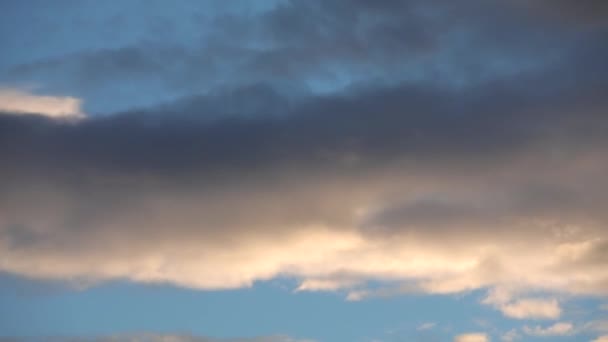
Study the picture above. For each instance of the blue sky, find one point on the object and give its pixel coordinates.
(296, 171)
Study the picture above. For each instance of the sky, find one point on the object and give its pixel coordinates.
(303, 171)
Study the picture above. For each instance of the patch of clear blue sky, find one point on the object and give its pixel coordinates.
(265, 309)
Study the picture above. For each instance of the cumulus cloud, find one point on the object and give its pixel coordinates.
(472, 337)
(557, 329)
(525, 308)
(22, 102)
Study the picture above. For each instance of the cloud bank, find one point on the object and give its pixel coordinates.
(372, 166)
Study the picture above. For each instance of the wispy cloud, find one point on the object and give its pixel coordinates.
(23, 102)
(510, 336)
(426, 326)
(557, 329)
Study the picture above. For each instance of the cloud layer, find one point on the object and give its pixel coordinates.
(374, 166)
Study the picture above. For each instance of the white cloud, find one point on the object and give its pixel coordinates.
(532, 308)
(524, 308)
(472, 337)
(557, 329)
(426, 326)
(601, 339)
(22, 102)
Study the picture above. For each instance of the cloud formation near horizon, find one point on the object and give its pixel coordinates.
(336, 154)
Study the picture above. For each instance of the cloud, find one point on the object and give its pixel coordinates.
(413, 184)
(599, 326)
(557, 329)
(426, 326)
(445, 190)
(22, 102)
(601, 339)
(472, 337)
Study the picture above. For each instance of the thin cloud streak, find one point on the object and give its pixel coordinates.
(22, 102)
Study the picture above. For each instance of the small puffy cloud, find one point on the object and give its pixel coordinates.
(472, 337)
(23, 102)
(532, 308)
(557, 329)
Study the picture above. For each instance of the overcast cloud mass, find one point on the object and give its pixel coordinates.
(371, 149)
